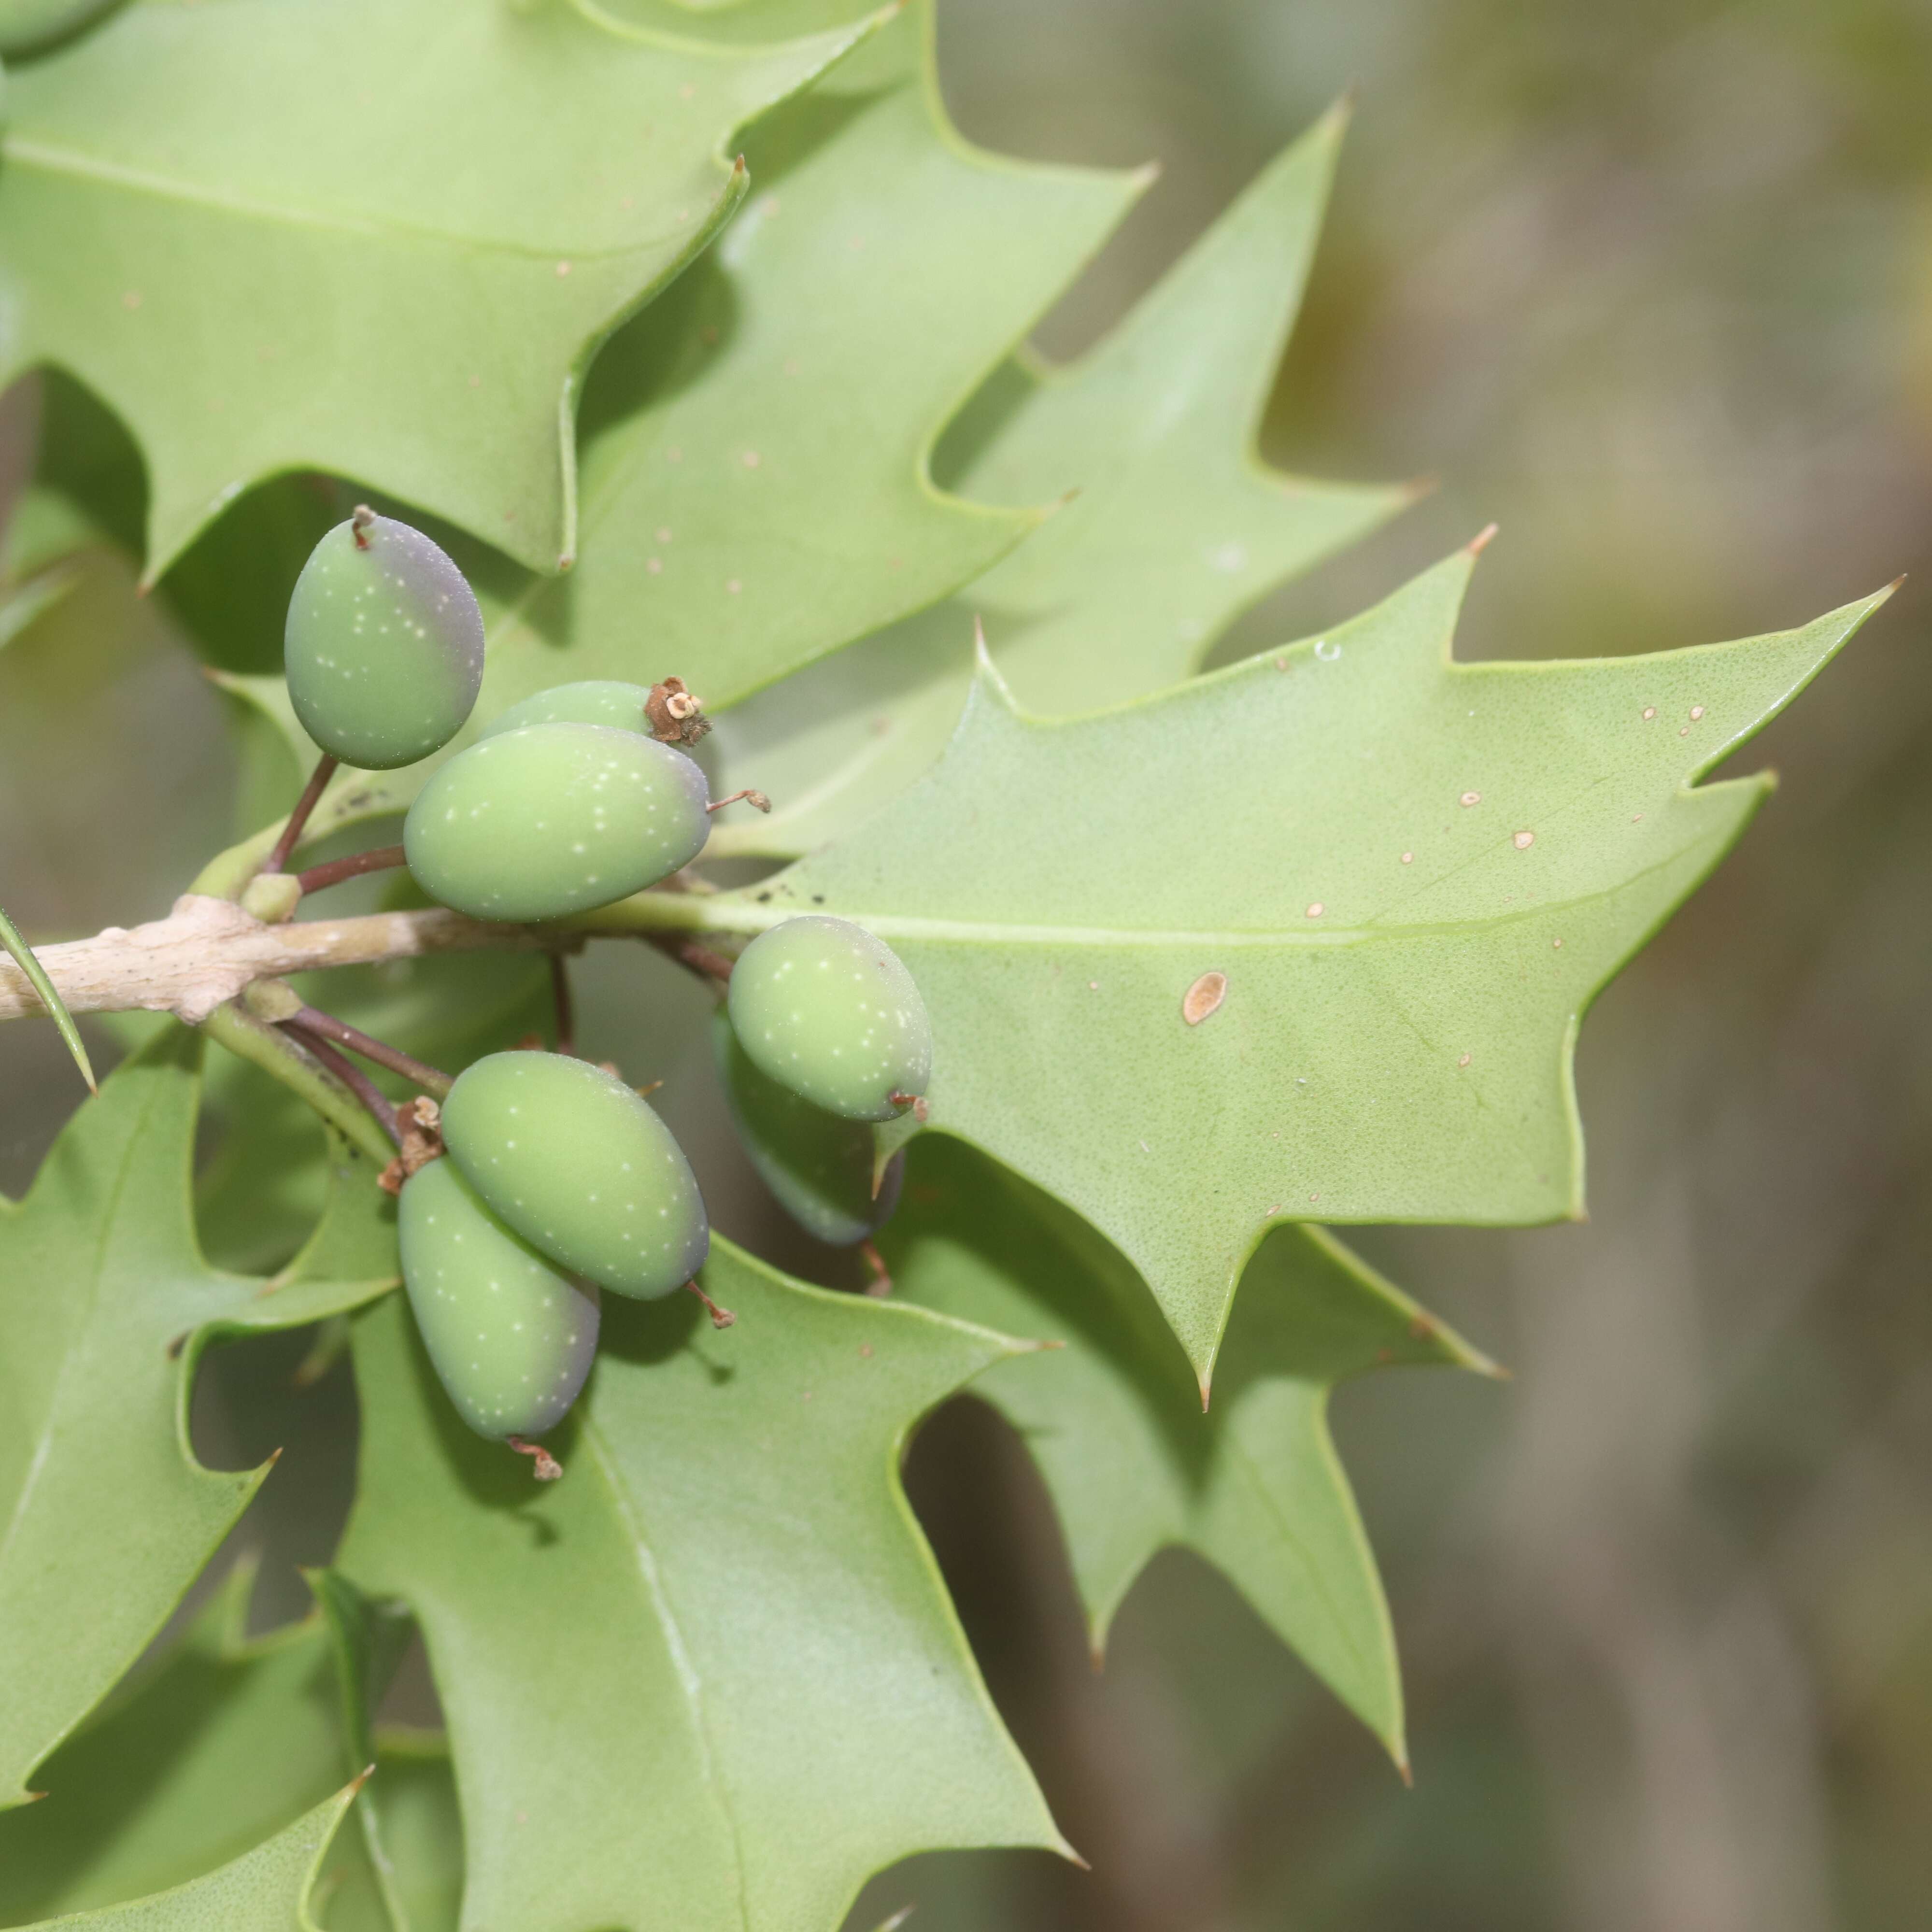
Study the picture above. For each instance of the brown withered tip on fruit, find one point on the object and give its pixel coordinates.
(419, 1123)
(676, 716)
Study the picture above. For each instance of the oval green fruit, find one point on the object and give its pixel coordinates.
(598, 700)
(384, 647)
(512, 1338)
(828, 1010)
(819, 1165)
(553, 819)
(575, 1162)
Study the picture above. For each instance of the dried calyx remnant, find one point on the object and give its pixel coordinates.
(676, 716)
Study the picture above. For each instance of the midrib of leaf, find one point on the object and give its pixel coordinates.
(43, 1445)
(1311, 1570)
(20, 150)
(654, 910)
(692, 1684)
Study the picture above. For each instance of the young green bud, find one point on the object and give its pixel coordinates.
(550, 820)
(576, 1163)
(598, 700)
(819, 1165)
(829, 1011)
(384, 647)
(511, 1338)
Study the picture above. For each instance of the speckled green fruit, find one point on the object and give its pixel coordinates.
(819, 1165)
(512, 1338)
(384, 647)
(598, 700)
(553, 819)
(578, 1164)
(829, 1011)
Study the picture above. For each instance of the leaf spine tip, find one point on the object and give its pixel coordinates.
(1482, 540)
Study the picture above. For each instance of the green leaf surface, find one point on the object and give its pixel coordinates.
(22, 605)
(1114, 1420)
(378, 237)
(218, 1746)
(269, 1889)
(1174, 528)
(23, 956)
(756, 447)
(107, 1305)
(1413, 874)
(710, 1679)
(755, 477)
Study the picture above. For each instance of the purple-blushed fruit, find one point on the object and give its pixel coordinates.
(384, 646)
(820, 1165)
(511, 1336)
(550, 820)
(827, 1009)
(581, 1167)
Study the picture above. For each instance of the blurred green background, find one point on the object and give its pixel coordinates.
(1651, 286)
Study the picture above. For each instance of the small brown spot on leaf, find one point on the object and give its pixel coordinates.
(1472, 798)
(1464, 1061)
(1409, 858)
(1523, 840)
(1697, 712)
(1649, 712)
(1316, 911)
(1203, 997)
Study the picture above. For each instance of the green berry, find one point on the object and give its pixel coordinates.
(598, 700)
(384, 648)
(578, 1164)
(829, 1011)
(553, 819)
(820, 1166)
(511, 1337)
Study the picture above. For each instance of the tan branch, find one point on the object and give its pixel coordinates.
(207, 950)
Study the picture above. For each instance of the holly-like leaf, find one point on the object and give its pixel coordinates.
(1114, 1421)
(757, 444)
(757, 447)
(107, 1304)
(220, 1745)
(379, 237)
(1174, 528)
(271, 1889)
(710, 1678)
(1309, 938)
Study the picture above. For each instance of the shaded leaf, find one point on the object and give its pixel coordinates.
(722, 1620)
(257, 234)
(756, 446)
(220, 1745)
(1173, 529)
(1395, 1039)
(107, 1305)
(1115, 1419)
(269, 1889)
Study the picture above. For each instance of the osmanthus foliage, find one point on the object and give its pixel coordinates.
(1371, 892)
(1174, 527)
(255, 233)
(108, 1305)
(268, 1889)
(711, 1678)
(223, 1742)
(1114, 1418)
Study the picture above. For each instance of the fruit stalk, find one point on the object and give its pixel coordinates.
(291, 832)
(377, 859)
(327, 1027)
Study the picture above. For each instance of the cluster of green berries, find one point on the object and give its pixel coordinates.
(559, 1181)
